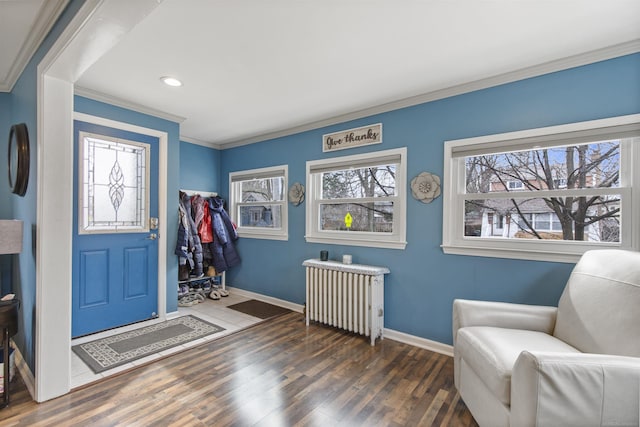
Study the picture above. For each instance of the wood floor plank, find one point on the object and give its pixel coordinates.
(276, 373)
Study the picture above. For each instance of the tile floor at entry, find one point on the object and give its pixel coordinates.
(212, 311)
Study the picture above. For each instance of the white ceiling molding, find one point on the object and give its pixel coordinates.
(525, 73)
(108, 99)
(538, 70)
(46, 16)
(202, 143)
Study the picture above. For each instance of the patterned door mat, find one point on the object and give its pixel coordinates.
(259, 309)
(106, 353)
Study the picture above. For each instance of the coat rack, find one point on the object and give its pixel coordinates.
(199, 193)
(209, 194)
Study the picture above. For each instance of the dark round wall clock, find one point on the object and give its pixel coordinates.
(18, 159)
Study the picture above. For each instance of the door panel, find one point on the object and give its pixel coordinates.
(94, 269)
(115, 257)
(136, 272)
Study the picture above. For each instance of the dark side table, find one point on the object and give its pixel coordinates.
(9, 327)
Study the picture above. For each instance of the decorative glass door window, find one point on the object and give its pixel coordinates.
(113, 188)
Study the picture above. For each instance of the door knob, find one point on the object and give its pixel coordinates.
(152, 236)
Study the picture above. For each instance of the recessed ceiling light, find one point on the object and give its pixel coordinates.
(171, 81)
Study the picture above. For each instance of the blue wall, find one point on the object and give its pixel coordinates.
(5, 192)
(22, 107)
(199, 167)
(424, 281)
(5, 126)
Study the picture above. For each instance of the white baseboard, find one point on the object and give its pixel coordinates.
(271, 300)
(435, 346)
(24, 371)
(172, 315)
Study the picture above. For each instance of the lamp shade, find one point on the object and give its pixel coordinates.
(10, 236)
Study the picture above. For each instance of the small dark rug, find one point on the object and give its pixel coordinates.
(116, 350)
(259, 309)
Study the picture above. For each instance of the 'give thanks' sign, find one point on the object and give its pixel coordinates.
(352, 138)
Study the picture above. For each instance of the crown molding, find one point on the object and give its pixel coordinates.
(118, 102)
(200, 142)
(500, 79)
(47, 16)
(112, 100)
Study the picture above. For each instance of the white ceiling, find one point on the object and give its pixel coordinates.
(253, 68)
(23, 26)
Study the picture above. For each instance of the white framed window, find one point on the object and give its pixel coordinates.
(258, 202)
(358, 200)
(577, 191)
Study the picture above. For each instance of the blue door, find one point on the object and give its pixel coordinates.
(115, 251)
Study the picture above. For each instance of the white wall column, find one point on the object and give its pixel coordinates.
(97, 27)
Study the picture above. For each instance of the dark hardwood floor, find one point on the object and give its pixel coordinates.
(277, 373)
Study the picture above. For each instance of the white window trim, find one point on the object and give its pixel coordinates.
(453, 241)
(255, 232)
(395, 240)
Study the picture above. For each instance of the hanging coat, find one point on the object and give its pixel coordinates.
(204, 229)
(225, 255)
(197, 210)
(182, 244)
(194, 240)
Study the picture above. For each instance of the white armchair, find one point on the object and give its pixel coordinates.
(575, 365)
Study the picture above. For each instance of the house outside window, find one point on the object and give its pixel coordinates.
(516, 185)
(358, 200)
(258, 202)
(560, 182)
(575, 191)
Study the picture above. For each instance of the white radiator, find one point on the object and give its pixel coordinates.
(347, 296)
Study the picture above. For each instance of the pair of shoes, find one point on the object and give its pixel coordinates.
(221, 292)
(183, 290)
(188, 301)
(192, 298)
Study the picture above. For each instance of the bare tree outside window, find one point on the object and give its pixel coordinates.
(545, 203)
(359, 193)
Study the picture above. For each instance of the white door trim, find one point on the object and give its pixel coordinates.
(94, 30)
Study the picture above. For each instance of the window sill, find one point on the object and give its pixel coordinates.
(530, 254)
(370, 243)
(250, 235)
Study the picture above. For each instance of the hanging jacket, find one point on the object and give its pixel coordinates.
(182, 244)
(204, 229)
(194, 239)
(225, 255)
(197, 210)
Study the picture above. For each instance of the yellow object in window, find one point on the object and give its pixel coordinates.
(348, 219)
